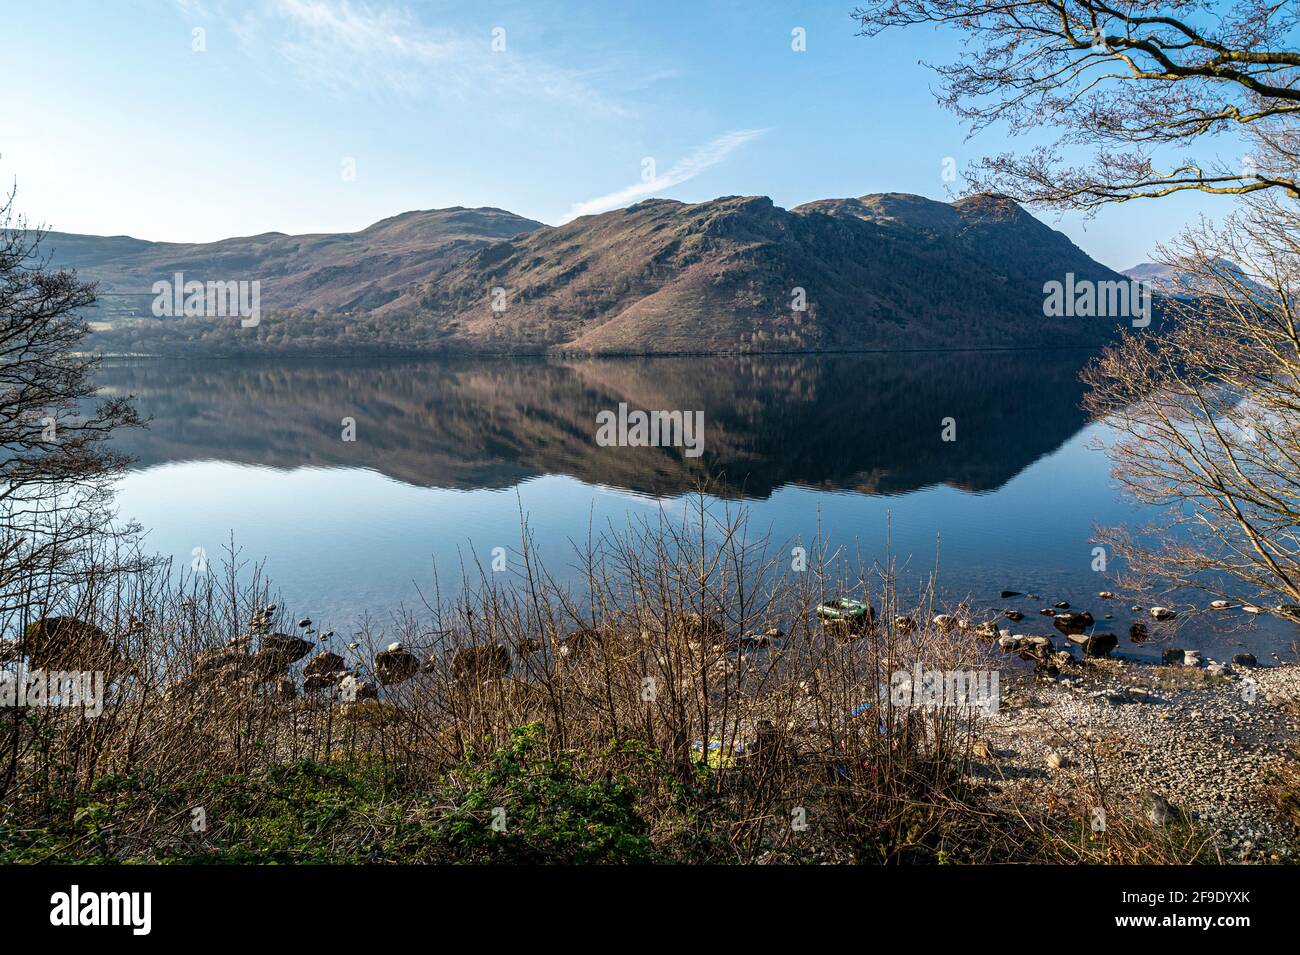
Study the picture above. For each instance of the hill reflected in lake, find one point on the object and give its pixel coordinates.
(864, 423)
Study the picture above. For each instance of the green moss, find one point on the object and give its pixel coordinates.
(551, 810)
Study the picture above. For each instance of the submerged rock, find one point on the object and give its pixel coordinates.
(1076, 622)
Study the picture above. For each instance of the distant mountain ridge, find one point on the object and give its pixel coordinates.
(738, 273)
(317, 272)
(1169, 281)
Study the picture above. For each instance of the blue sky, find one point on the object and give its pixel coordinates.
(114, 124)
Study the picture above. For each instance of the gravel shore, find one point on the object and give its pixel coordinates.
(1208, 742)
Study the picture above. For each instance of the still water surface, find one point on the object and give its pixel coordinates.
(448, 453)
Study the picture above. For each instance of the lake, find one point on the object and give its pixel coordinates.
(445, 454)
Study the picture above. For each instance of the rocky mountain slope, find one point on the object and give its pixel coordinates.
(886, 271)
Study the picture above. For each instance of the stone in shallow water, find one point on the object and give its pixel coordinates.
(1100, 644)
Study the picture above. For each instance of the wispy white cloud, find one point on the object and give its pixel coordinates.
(697, 161)
(345, 45)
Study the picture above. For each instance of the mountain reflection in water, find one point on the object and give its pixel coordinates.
(866, 423)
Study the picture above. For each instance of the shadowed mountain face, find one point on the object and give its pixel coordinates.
(733, 275)
(867, 423)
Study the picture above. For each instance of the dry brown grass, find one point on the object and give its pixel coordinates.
(796, 729)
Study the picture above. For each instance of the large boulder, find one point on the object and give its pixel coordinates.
(66, 643)
(211, 662)
(324, 664)
(322, 672)
(1100, 644)
(476, 664)
(395, 665)
(284, 649)
(278, 652)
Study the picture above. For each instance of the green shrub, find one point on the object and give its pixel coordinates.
(544, 810)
